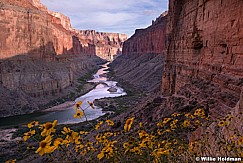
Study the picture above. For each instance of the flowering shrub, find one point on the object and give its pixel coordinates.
(168, 142)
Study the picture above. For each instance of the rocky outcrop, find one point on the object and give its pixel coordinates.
(204, 53)
(106, 45)
(149, 40)
(141, 63)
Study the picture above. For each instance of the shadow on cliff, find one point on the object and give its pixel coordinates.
(27, 79)
(78, 48)
(48, 53)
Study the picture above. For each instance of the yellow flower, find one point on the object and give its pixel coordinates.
(127, 145)
(173, 124)
(222, 123)
(189, 115)
(199, 113)
(107, 151)
(160, 132)
(240, 141)
(79, 147)
(140, 124)
(100, 155)
(58, 141)
(66, 131)
(186, 123)
(228, 118)
(70, 134)
(91, 104)
(128, 124)
(175, 114)
(78, 114)
(161, 124)
(167, 130)
(109, 122)
(45, 146)
(160, 151)
(78, 104)
(233, 137)
(166, 120)
(98, 125)
(100, 138)
(11, 161)
(193, 146)
(136, 150)
(32, 124)
(78, 140)
(27, 135)
(108, 134)
(84, 133)
(83, 152)
(48, 128)
(142, 134)
(175, 141)
(197, 123)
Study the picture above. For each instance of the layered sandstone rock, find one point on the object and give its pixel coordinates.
(141, 63)
(29, 28)
(106, 45)
(26, 85)
(42, 55)
(204, 54)
(149, 40)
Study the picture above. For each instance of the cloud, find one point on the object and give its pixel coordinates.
(122, 16)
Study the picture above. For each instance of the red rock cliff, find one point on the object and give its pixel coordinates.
(107, 45)
(141, 62)
(204, 53)
(149, 40)
(27, 27)
(41, 55)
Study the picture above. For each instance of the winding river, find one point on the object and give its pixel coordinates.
(66, 116)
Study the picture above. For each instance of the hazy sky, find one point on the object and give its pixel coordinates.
(122, 16)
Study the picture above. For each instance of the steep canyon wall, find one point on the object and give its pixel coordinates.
(204, 53)
(141, 61)
(29, 28)
(42, 55)
(149, 40)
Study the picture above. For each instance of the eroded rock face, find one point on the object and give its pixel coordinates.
(106, 45)
(42, 55)
(141, 63)
(204, 53)
(29, 28)
(149, 40)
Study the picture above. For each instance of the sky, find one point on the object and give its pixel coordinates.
(119, 16)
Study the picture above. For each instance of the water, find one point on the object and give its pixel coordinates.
(66, 116)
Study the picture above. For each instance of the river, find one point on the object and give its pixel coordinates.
(66, 116)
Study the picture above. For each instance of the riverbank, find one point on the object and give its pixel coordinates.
(120, 104)
(80, 87)
(54, 105)
(11, 135)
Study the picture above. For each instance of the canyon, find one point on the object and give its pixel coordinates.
(141, 62)
(41, 55)
(190, 57)
(202, 63)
